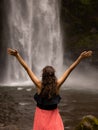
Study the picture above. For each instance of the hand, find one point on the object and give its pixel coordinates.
(12, 52)
(86, 54)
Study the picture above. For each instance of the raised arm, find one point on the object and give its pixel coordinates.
(83, 55)
(15, 53)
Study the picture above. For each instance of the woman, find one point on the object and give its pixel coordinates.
(47, 116)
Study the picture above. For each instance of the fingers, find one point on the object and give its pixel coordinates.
(86, 54)
(89, 53)
(8, 50)
(12, 51)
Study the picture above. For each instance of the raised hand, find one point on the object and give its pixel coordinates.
(86, 54)
(12, 52)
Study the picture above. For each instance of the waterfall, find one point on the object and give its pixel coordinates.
(34, 30)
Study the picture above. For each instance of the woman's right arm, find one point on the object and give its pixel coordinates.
(33, 77)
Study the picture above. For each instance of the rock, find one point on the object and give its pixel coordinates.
(88, 122)
(9, 127)
(9, 112)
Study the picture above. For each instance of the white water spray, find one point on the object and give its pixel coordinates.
(35, 32)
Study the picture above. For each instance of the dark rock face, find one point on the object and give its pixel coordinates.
(4, 36)
(79, 22)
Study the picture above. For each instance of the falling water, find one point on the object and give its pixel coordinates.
(34, 28)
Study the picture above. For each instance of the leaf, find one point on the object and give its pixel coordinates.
(85, 2)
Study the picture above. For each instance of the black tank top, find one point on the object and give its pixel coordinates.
(47, 104)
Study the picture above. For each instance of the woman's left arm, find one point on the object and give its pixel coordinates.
(83, 55)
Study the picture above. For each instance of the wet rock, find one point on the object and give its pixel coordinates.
(8, 109)
(9, 127)
(88, 122)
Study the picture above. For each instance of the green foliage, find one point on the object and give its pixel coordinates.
(80, 24)
(82, 12)
(83, 42)
(88, 41)
(85, 2)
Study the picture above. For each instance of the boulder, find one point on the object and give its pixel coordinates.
(88, 122)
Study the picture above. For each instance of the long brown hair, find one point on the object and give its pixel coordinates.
(49, 82)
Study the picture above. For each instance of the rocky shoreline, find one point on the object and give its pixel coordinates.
(17, 107)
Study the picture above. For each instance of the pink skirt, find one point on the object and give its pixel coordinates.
(47, 120)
